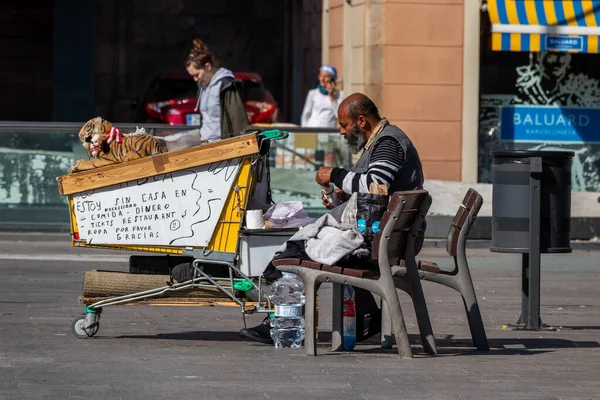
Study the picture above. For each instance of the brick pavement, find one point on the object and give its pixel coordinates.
(144, 352)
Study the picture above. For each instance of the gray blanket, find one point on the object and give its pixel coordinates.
(328, 241)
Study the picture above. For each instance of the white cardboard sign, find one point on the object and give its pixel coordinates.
(181, 208)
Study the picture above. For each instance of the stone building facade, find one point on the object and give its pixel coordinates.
(418, 60)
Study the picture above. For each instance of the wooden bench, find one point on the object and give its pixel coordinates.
(459, 277)
(395, 242)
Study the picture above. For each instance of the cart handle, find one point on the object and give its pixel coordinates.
(275, 134)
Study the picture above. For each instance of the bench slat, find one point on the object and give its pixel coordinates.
(405, 220)
(397, 245)
(452, 244)
(287, 261)
(470, 198)
(461, 217)
(360, 273)
(413, 198)
(310, 264)
(428, 266)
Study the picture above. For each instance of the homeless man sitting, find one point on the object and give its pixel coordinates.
(388, 158)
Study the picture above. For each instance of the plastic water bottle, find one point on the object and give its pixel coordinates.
(287, 324)
(349, 318)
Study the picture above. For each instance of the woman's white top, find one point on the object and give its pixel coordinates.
(319, 110)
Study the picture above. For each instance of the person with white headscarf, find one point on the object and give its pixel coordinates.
(321, 105)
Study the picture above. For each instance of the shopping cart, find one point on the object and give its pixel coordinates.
(188, 206)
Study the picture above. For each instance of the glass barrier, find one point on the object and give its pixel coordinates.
(294, 164)
(33, 155)
(29, 165)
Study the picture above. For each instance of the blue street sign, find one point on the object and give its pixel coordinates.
(550, 124)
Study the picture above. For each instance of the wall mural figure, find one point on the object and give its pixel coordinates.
(547, 82)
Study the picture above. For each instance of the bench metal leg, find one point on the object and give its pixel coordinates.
(425, 329)
(463, 284)
(390, 297)
(474, 317)
(415, 290)
(387, 340)
(310, 314)
(337, 318)
(398, 325)
(467, 291)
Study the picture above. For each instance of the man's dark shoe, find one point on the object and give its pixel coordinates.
(260, 333)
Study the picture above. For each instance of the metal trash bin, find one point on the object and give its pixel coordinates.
(511, 200)
(531, 214)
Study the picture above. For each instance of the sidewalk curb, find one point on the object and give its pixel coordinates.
(485, 244)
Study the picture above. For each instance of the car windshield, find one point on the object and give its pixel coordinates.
(252, 91)
(168, 89)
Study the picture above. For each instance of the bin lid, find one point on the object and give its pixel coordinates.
(531, 153)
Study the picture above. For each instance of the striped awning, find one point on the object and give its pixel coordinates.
(545, 25)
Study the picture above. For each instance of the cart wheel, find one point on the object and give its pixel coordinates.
(79, 329)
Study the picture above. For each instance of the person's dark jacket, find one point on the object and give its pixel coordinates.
(233, 112)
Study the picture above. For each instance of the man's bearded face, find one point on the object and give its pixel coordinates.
(356, 139)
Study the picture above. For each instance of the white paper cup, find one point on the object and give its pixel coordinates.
(254, 219)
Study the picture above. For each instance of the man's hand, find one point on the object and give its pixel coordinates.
(323, 177)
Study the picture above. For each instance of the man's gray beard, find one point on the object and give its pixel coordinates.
(356, 140)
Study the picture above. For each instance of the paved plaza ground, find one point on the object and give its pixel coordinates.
(145, 352)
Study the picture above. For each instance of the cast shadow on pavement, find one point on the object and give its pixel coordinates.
(217, 336)
(447, 345)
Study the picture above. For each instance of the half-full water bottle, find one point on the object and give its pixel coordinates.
(287, 324)
(331, 195)
(349, 318)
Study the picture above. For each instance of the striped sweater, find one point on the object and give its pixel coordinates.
(386, 160)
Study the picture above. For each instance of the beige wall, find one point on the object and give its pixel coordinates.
(336, 35)
(407, 55)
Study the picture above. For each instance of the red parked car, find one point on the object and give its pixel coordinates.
(172, 97)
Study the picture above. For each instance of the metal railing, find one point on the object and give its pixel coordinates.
(74, 127)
